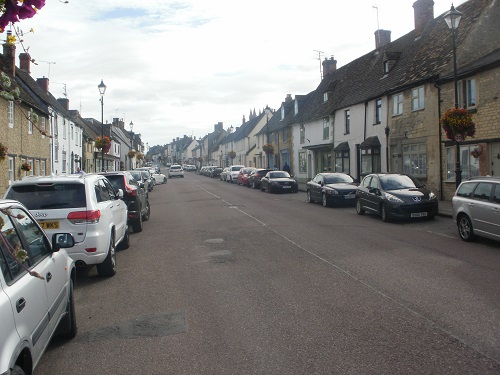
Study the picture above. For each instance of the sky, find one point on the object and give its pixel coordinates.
(176, 68)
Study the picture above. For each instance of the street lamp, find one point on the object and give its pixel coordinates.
(452, 18)
(131, 141)
(102, 90)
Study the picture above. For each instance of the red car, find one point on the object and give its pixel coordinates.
(243, 176)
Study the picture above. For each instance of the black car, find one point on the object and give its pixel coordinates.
(215, 172)
(142, 179)
(278, 181)
(134, 196)
(395, 196)
(255, 177)
(332, 189)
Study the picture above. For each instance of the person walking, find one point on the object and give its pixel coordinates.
(286, 167)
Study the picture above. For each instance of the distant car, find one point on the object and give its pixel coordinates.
(147, 173)
(232, 175)
(332, 189)
(159, 178)
(87, 206)
(215, 172)
(224, 174)
(243, 175)
(175, 170)
(476, 208)
(255, 177)
(395, 196)
(142, 178)
(32, 310)
(189, 167)
(278, 181)
(134, 196)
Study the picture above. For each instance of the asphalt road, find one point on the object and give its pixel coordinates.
(229, 280)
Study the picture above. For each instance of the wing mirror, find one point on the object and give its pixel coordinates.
(62, 241)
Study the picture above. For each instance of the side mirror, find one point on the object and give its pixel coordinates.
(120, 193)
(62, 241)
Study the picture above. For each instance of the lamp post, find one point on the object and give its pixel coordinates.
(102, 90)
(131, 142)
(452, 18)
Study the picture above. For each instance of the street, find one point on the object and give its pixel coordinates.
(229, 280)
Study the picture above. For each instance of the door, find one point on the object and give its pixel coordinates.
(118, 209)
(495, 159)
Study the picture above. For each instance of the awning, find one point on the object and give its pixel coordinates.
(326, 146)
(370, 142)
(343, 146)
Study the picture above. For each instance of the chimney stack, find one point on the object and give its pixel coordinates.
(329, 66)
(9, 64)
(43, 83)
(288, 98)
(24, 62)
(424, 12)
(382, 38)
(64, 102)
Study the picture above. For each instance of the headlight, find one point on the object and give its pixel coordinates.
(432, 196)
(393, 198)
(331, 192)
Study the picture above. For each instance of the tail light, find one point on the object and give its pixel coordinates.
(130, 190)
(84, 217)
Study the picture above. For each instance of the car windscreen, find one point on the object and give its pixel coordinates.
(49, 196)
(136, 175)
(338, 179)
(236, 168)
(279, 175)
(397, 182)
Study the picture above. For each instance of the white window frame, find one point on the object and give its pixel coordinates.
(63, 163)
(11, 113)
(43, 166)
(418, 98)
(326, 128)
(467, 93)
(469, 165)
(302, 131)
(378, 111)
(397, 104)
(64, 128)
(12, 174)
(325, 96)
(347, 119)
(30, 125)
(44, 126)
(415, 159)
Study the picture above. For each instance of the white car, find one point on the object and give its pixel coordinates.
(87, 206)
(232, 174)
(159, 178)
(175, 170)
(33, 309)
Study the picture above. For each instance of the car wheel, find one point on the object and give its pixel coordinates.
(465, 229)
(137, 225)
(108, 267)
(359, 207)
(324, 200)
(125, 243)
(385, 215)
(69, 322)
(308, 197)
(269, 189)
(146, 215)
(261, 187)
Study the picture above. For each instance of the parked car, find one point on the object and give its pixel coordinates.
(147, 173)
(243, 174)
(134, 196)
(476, 208)
(87, 206)
(142, 178)
(175, 171)
(225, 172)
(159, 178)
(232, 175)
(395, 196)
(215, 172)
(278, 181)
(189, 167)
(332, 189)
(32, 310)
(255, 177)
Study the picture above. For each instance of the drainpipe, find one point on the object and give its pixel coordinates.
(440, 144)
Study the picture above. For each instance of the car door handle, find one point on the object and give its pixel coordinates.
(20, 304)
(49, 276)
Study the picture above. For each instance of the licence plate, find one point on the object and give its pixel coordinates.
(349, 196)
(286, 187)
(49, 224)
(419, 214)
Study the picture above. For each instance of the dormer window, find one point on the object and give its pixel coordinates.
(282, 113)
(386, 67)
(296, 107)
(389, 60)
(325, 97)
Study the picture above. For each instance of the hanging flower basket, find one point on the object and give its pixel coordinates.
(139, 156)
(3, 151)
(103, 143)
(457, 124)
(476, 152)
(268, 149)
(231, 154)
(131, 154)
(26, 167)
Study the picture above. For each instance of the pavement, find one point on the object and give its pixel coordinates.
(444, 206)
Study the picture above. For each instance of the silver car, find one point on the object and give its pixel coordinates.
(476, 208)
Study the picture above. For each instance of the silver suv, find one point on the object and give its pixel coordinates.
(476, 208)
(85, 205)
(36, 295)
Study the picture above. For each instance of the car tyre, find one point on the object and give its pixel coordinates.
(125, 243)
(308, 197)
(108, 267)
(253, 185)
(385, 215)
(68, 324)
(359, 207)
(137, 225)
(324, 200)
(261, 187)
(465, 230)
(147, 214)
